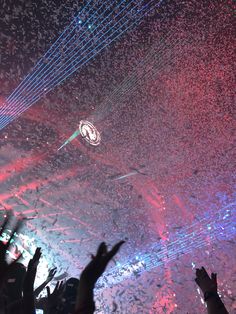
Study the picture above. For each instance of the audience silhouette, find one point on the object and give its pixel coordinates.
(75, 296)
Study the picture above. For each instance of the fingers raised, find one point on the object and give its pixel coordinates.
(101, 250)
(114, 250)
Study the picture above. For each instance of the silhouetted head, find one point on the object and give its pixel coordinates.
(69, 296)
(14, 281)
(71, 286)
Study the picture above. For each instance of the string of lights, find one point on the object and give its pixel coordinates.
(53, 69)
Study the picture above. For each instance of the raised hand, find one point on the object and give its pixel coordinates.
(90, 275)
(97, 266)
(53, 298)
(28, 287)
(51, 274)
(4, 247)
(31, 271)
(205, 282)
(208, 285)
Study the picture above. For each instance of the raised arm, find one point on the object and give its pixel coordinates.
(85, 302)
(28, 288)
(50, 276)
(54, 298)
(208, 286)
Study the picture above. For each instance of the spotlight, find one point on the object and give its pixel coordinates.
(89, 133)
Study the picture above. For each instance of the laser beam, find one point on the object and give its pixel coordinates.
(215, 225)
(33, 87)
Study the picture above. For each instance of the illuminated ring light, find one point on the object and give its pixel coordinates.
(89, 133)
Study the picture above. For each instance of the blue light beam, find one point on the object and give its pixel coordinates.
(5, 119)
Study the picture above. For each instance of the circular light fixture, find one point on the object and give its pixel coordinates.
(89, 133)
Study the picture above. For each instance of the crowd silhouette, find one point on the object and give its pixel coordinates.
(75, 296)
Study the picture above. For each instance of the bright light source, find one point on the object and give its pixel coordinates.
(89, 133)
